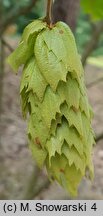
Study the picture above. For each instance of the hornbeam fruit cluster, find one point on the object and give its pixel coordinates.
(54, 101)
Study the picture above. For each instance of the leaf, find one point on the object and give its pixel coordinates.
(71, 136)
(84, 106)
(74, 118)
(74, 63)
(58, 164)
(69, 92)
(24, 103)
(20, 56)
(25, 48)
(72, 179)
(55, 44)
(50, 106)
(34, 103)
(53, 145)
(33, 29)
(48, 63)
(55, 142)
(35, 80)
(37, 83)
(27, 71)
(38, 154)
(74, 158)
(88, 152)
(91, 113)
(75, 140)
(54, 123)
(73, 93)
(37, 125)
(38, 130)
(86, 126)
(63, 133)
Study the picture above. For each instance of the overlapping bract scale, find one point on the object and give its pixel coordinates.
(54, 100)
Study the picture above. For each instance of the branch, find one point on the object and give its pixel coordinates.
(89, 85)
(92, 44)
(14, 14)
(30, 188)
(99, 137)
(7, 45)
(34, 187)
(42, 187)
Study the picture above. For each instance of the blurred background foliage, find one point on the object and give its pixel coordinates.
(94, 8)
(83, 34)
(22, 21)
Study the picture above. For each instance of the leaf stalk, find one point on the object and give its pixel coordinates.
(48, 17)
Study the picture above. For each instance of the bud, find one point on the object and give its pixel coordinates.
(53, 93)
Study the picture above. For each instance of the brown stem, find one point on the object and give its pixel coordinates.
(48, 17)
(7, 45)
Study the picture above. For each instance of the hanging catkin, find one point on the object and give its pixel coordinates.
(53, 93)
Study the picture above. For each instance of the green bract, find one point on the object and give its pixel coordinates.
(53, 93)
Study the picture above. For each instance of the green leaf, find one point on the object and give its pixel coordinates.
(58, 164)
(90, 143)
(53, 145)
(84, 105)
(37, 127)
(33, 29)
(72, 93)
(74, 63)
(50, 106)
(71, 136)
(20, 56)
(37, 83)
(74, 158)
(38, 154)
(69, 92)
(48, 63)
(54, 123)
(55, 43)
(38, 130)
(24, 103)
(72, 179)
(64, 133)
(26, 47)
(74, 118)
(35, 104)
(33, 79)
(86, 126)
(27, 71)
(88, 152)
(75, 140)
